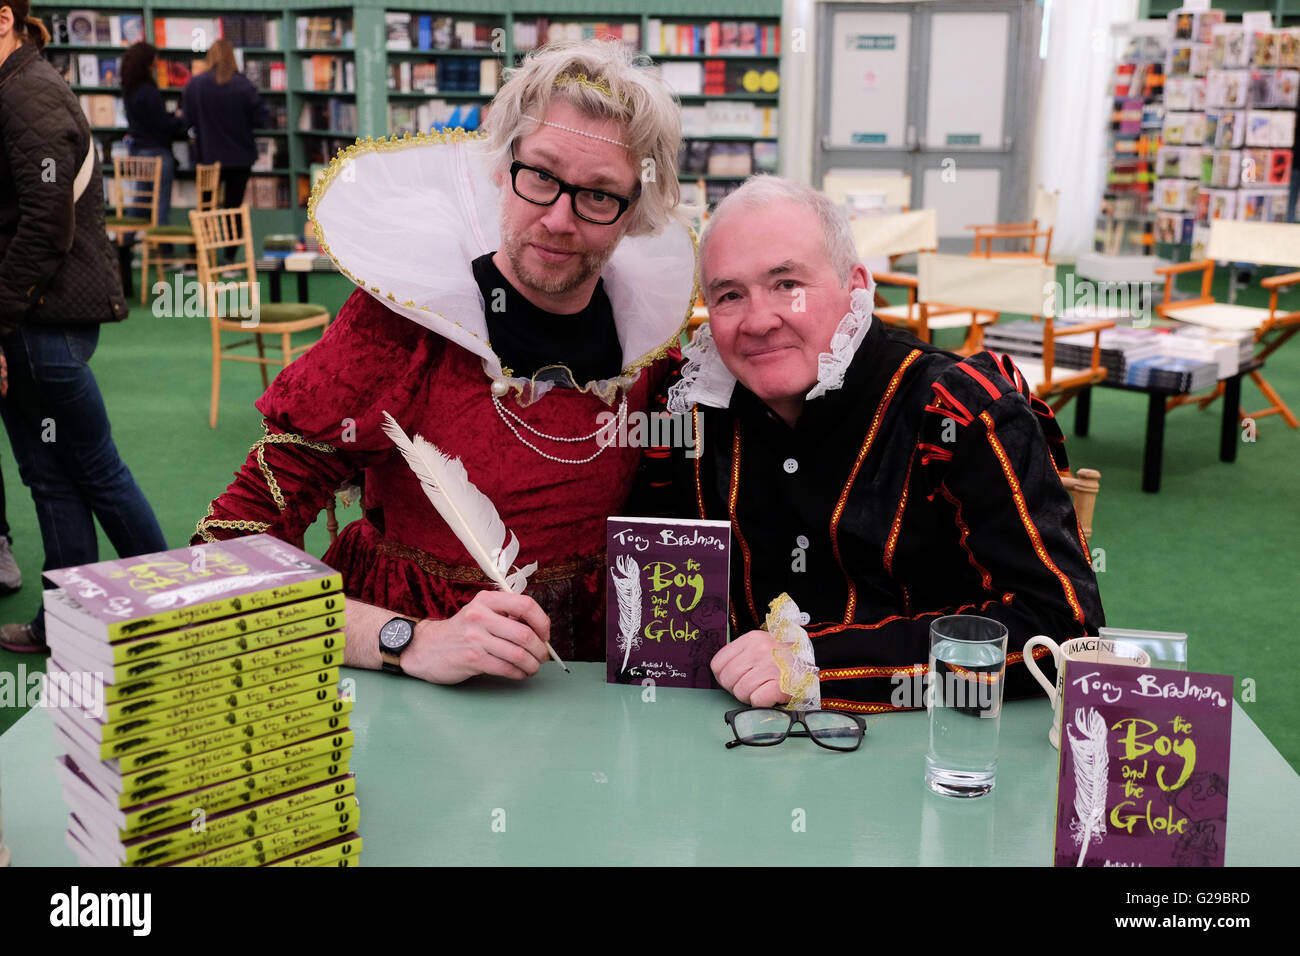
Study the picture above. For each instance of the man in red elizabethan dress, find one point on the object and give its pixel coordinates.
(511, 289)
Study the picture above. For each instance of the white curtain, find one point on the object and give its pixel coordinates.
(1074, 108)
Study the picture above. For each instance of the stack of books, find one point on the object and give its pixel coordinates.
(197, 708)
(1172, 374)
(1120, 346)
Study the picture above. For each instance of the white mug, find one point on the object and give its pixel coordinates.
(1094, 649)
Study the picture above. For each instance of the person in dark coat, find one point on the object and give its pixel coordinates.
(221, 105)
(59, 282)
(152, 129)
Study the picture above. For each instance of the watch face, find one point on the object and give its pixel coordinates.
(396, 634)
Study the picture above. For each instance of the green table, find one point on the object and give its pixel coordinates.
(571, 770)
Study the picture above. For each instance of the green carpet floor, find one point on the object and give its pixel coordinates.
(1215, 554)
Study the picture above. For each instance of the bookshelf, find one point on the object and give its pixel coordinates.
(442, 68)
(726, 72)
(351, 95)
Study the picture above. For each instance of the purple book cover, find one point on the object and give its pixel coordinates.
(665, 600)
(154, 592)
(1144, 767)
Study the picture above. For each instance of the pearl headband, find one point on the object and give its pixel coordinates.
(570, 129)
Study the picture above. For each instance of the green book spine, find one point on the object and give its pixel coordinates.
(226, 667)
(236, 702)
(257, 601)
(277, 802)
(182, 745)
(187, 842)
(157, 815)
(332, 854)
(207, 653)
(169, 642)
(178, 696)
(215, 756)
(291, 709)
(281, 843)
(156, 789)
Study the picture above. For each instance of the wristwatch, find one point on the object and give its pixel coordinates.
(395, 637)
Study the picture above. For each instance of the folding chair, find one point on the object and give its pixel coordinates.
(896, 235)
(207, 178)
(133, 192)
(1261, 243)
(841, 185)
(1040, 227)
(214, 232)
(1016, 286)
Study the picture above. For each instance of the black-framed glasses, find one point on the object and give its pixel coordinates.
(541, 188)
(768, 726)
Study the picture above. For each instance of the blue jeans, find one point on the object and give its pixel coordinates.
(63, 445)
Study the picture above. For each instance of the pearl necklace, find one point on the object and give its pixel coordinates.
(503, 412)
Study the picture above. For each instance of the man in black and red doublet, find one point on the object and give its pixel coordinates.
(925, 485)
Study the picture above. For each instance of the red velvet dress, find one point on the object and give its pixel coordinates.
(323, 416)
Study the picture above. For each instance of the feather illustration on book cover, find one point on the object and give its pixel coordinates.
(666, 600)
(1143, 775)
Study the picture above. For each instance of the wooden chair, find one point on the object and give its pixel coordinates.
(134, 188)
(1021, 287)
(1083, 488)
(207, 178)
(1260, 243)
(222, 229)
(1040, 227)
(892, 236)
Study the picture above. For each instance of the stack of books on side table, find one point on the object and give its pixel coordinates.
(196, 702)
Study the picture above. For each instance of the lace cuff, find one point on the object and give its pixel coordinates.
(705, 380)
(832, 365)
(799, 674)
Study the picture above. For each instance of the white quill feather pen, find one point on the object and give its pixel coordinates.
(468, 512)
(1091, 762)
(628, 588)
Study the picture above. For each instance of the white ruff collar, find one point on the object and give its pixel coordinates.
(405, 218)
(707, 381)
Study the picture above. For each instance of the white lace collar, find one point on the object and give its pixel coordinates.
(707, 381)
(405, 218)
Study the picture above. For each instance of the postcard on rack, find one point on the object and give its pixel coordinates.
(666, 600)
(1143, 766)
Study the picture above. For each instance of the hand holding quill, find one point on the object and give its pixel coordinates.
(468, 512)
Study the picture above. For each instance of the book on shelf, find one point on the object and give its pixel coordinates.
(87, 69)
(323, 32)
(731, 37)
(397, 27)
(530, 34)
(197, 683)
(187, 33)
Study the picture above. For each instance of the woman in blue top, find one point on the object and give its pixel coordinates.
(221, 105)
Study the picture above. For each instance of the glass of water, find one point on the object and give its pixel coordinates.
(968, 659)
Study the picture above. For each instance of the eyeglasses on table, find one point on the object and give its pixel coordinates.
(769, 726)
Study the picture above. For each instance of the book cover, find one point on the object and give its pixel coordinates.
(666, 600)
(1143, 767)
(130, 597)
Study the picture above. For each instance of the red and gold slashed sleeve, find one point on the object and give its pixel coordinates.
(322, 425)
(991, 472)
